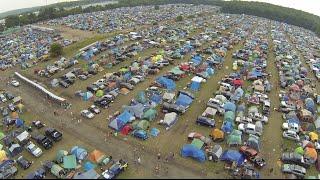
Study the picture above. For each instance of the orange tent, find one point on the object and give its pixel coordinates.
(311, 153)
(14, 115)
(96, 156)
(217, 134)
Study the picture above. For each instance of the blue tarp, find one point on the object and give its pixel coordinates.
(166, 83)
(190, 150)
(79, 152)
(87, 95)
(120, 121)
(154, 132)
(195, 86)
(184, 100)
(233, 156)
(229, 106)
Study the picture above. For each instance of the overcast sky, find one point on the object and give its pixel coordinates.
(311, 6)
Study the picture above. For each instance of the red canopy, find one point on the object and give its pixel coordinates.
(126, 130)
(237, 82)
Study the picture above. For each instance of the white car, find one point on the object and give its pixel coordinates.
(244, 120)
(87, 114)
(15, 83)
(291, 126)
(292, 135)
(33, 149)
(3, 98)
(94, 109)
(258, 117)
(249, 129)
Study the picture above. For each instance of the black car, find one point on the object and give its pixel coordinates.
(54, 134)
(44, 141)
(23, 162)
(204, 121)
(294, 158)
(64, 84)
(38, 174)
(9, 96)
(102, 102)
(38, 124)
(93, 88)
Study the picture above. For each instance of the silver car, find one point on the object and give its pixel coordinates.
(34, 149)
(294, 169)
(292, 135)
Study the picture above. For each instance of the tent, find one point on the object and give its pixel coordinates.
(217, 134)
(14, 115)
(313, 136)
(141, 97)
(79, 152)
(299, 150)
(3, 156)
(195, 86)
(176, 71)
(310, 154)
(121, 120)
(184, 100)
(143, 124)
(150, 114)
(168, 96)
(254, 142)
(70, 162)
(136, 110)
(2, 135)
(227, 127)
(310, 105)
(154, 132)
(317, 124)
(197, 143)
(156, 98)
(96, 156)
(229, 106)
(87, 95)
(126, 130)
(124, 91)
(19, 123)
(215, 153)
(235, 138)
(99, 93)
(229, 116)
(170, 119)
(88, 166)
(60, 154)
(91, 174)
(233, 156)
(189, 150)
(166, 83)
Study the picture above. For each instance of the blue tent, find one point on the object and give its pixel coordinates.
(136, 110)
(166, 83)
(127, 76)
(195, 86)
(118, 123)
(184, 100)
(88, 166)
(227, 127)
(196, 60)
(233, 156)
(79, 152)
(87, 95)
(154, 132)
(310, 105)
(156, 98)
(210, 71)
(229, 106)
(189, 150)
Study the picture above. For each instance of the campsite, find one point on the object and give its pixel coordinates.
(140, 93)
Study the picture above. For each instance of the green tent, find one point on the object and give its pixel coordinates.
(123, 70)
(99, 93)
(234, 140)
(141, 97)
(143, 124)
(229, 116)
(299, 150)
(150, 114)
(69, 162)
(177, 71)
(197, 143)
(60, 155)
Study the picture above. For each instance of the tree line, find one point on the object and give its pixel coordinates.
(274, 12)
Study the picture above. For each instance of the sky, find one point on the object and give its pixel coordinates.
(311, 6)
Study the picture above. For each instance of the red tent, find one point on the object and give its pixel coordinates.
(184, 67)
(126, 130)
(237, 82)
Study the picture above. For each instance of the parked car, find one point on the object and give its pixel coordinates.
(258, 161)
(249, 129)
(9, 96)
(292, 135)
(7, 169)
(23, 162)
(244, 120)
(294, 158)
(168, 107)
(248, 152)
(294, 169)
(43, 141)
(141, 134)
(87, 114)
(94, 109)
(5, 112)
(291, 126)
(15, 83)
(40, 173)
(3, 98)
(204, 121)
(38, 124)
(12, 107)
(54, 134)
(33, 149)
(115, 169)
(258, 117)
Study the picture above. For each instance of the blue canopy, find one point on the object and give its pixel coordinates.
(184, 100)
(227, 127)
(229, 106)
(88, 166)
(189, 150)
(79, 152)
(233, 156)
(166, 83)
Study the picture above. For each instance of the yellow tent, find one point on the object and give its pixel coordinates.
(313, 136)
(3, 155)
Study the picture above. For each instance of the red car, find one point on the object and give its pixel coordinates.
(248, 152)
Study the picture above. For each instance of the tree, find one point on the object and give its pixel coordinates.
(56, 50)
(156, 7)
(179, 18)
(12, 21)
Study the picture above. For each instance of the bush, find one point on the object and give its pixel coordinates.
(56, 50)
(156, 7)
